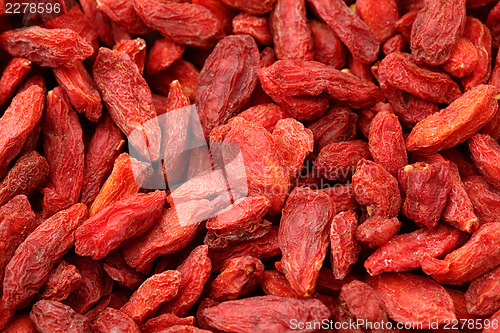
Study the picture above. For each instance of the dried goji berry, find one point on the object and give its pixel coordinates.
(128, 100)
(462, 60)
(46, 47)
(436, 31)
(275, 283)
(163, 53)
(12, 76)
(410, 298)
(380, 16)
(343, 244)
(38, 253)
(343, 197)
(124, 14)
(21, 323)
(484, 197)
(27, 175)
(103, 149)
(63, 280)
(426, 188)
(376, 189)
(183, 71)
(128, 218)
(64, 150)
(263, 313)
(403, 252)
(123, 274)
(377, 230)
(266, 115)
(251, 6)
(338, 160)
(328, 48)
(255, 26)
(185, 23)
(492, 24)
(135, 49)
(52, 316)
(156, 290)
(98, 21)
(352, 31)
(291, 33)
(454, 124)
(195, 271)
(236, 279)
(165, 321)
(301, 267)
(402, 72)
(396, 43)
(112, 320)
(483, 295)
(480, 36)
(485, 152)
(17, 123)
(221, 93)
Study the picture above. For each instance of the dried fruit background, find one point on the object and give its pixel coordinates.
(352, 171)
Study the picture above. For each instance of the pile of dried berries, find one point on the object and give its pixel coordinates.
(189, 165)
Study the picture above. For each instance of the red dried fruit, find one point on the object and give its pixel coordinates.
(222, 12)
(163, 53)
(113, 320)
(17, 221)
(377, 230)
(75, 20)
(409, 298)
(30, 267)
(403, 252)
(126, 219)
(480, 36)
(402, 72)
(98, 21)
(291, 33)
(21, 323)
(17, 123)
(380, 16)
(124, 14)
(94, 285)
(62, 281)
(343, 244)
(263, 247)
(485, 152)
(492, 23)
(64, 150)
(306, 216)
(343, 197)
(263, 313)
(239, 222)
(386, 142)
(338, 160)
(165, 321)
(352, 31)
(195, 271)
(297, 85)
(291, 133)
(492, 326)
(126, 178)
(328, 48)
(135, 49)
(175, 228)
(483, 295)
(52, 316)
(180, 70)
(484, 197)
(13, 74)
(337, 124)
(46, 47)
(128, 100)
(257, 7)
(436, 30)
(479, 255)
(184, 23)
(114, 300)
(363, 302)
(462, 60)
(265, 115)
(255, 26)
(103, 150)
(396, 43)
(123, 274)
(275, 283)
(405, 23)
(454, 124)
(81, 90)
(236, 279)
(426, 188)
(177, 98)
(25, 177)
(156, 290)
(222, 92)
(360, 69)
(376, 189)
